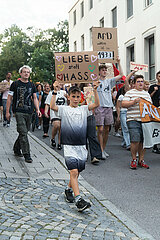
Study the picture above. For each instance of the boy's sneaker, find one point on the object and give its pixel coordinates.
(143, 164)
(94, 160)
(69, 195)
(133, 165)
(82, 205)
(4, 123)
(53, 143)
(59, 147)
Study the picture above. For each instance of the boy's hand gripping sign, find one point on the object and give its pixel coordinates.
(76, 67)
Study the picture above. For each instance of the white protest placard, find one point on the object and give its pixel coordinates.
(141, 67)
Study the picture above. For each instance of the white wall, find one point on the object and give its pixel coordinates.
(143, 23)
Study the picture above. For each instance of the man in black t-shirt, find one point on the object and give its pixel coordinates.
(154, 91)
(24, 96)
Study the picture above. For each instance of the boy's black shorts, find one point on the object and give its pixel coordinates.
(73, 163)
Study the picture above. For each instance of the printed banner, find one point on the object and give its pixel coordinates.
(135, 66)
(76, 67)
(105, 42)
(150, 117)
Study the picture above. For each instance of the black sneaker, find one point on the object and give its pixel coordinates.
(156, 150)
(82, 205)
(59, 147)
(18, 153)
(53, 143)
(69, 195)
(28, 158)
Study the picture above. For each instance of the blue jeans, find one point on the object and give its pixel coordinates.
(4, 102)
(126, 136)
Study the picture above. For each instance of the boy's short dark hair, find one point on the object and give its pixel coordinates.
(136, 77)
(102, 66)
(73, 89)
(157, 73)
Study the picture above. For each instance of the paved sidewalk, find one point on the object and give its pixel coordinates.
(32, 204)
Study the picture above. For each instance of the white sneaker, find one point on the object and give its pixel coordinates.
(117, 134)
(103, 156)
(106, 154)
(39, 127)
(8, 125)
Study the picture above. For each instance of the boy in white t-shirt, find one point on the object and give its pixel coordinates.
(73, 137)
(61, 99)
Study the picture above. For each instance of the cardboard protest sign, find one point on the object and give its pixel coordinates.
(135, 66)
(150, 117)
(89, 95)
(76, 67)
(105, 42)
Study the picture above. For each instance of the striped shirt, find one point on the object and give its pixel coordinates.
(133, 112)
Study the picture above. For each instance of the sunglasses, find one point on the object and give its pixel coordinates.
(140, 81)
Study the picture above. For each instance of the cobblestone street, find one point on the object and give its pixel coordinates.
(32, 203)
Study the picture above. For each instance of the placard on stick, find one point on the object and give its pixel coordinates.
(105, 42)
(76, 67)
(135, 66)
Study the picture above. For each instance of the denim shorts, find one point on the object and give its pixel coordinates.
(135, 131)
(73, 163)
(104, 116)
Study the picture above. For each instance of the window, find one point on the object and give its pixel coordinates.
(82, 42)
(130, 57)
(129, 8)
(74, 17)
(114, 17)
(151, 58)
(90, 35)
(101, 22)
(90, 4)
(75, 46)
(82, 9)
(147, 2)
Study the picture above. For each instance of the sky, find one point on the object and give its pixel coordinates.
(42, 14)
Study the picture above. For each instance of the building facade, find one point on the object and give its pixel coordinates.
(137, 23)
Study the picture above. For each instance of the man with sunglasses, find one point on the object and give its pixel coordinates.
(131, 102)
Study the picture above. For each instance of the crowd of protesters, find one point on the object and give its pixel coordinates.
(75, 123)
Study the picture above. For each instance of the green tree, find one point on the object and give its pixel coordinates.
(35, 48)
(15, 50)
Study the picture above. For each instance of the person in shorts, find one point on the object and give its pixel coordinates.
(61, 99)
(73, 138)
(131, 102)
(104, 113)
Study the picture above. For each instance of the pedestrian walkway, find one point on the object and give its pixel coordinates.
(32, 203)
